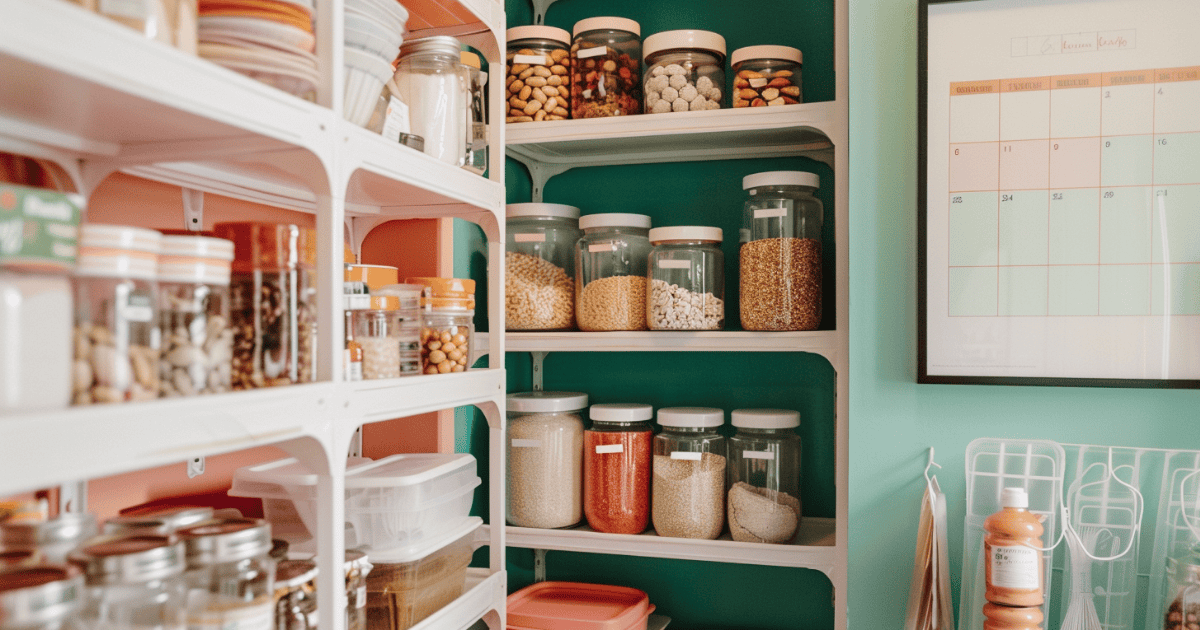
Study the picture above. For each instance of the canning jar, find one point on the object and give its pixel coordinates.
(133, 581)
(430, 78)
(374, 330)
(116, 319)
(165, 520)
(357, 568)
(764, 476)
(230, 574)
(616, 468)
(295, 595)
(606, 59)
(688, 490)
(447, 324)
(272, 303)
(53, 538)
(610, 271)
(477, 116)
(539, 59)
(685, 71)
(539, 266)
(767, 76)
(545, 458)
(41, 597)
(406, 324)
(780, 254)
(193, 306)
(687, 279)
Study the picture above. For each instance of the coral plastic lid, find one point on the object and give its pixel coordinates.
(552, 605)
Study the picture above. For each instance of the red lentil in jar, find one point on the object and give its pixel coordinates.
(617, 455)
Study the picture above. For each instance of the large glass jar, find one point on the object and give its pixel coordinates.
(41, 597)
(538, 61)
(230, 574)
(477, 115)
(606, 61)
(610, 271)
(447, 324)
(116, 320)
(545, 459)
(767, 76)
(53, 538)
(688, 490)
(539, 266)
(432, 81)
(685, 71)
(197, 339)
(780, 253)
(687, 279)
(272, 303)
(295, 595)
(133, 581)
(764, 476)
(617, 467)
(406, 324)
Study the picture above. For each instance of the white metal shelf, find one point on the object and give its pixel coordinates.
(483, 590)
(826, 343)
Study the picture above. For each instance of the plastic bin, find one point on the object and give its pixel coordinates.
(407, 584)
(558, 605)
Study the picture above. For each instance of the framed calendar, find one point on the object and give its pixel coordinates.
(1059, 192)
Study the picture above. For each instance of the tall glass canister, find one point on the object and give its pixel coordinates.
(539, 60)
(606, 64)
(431, 79)
(617, 467)
(686, 279)
(545, 458)
(610, 272)
(197, 338)
(764, 476)
(539, 266)
(688, 490)
(685, 71)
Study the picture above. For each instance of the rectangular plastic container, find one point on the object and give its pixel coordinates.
(410, 583)
(562, 605)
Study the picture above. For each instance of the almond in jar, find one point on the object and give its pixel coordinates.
(1013, 567)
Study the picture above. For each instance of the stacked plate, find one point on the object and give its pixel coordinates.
(374, 32)
(269, 40)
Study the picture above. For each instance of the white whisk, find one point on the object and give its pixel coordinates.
(1081, 612)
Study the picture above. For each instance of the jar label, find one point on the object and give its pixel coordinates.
(770, 213)
(1015, 567)
(584, 53)
(758, 454)
(533, 60)
(360, 600)
(601, 449)
(674, 264)
(138, 309)
(518, 443)
(602, 247)
(685, 455)
(529, 238)
(395, 122)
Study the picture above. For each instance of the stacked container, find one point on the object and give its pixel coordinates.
(764, 476)
(407, 584)
(554, 605)
(685, 71)
(193, 289)
(610, 272)
(686, 279)
(545, 458)
(606, 78)
(539, 266)
(538, 60)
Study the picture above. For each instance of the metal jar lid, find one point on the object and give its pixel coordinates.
(129, 558)
(436, 45)
(290, 574)
(412, 141)
(159, 520)
(226, 540)
(68, 527)
(39, 595)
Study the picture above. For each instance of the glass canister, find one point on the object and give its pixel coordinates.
(447, 324)
(477, 116)
(295, 595)
(610, 272)
(358, 566)
(687, 279)
(539, 266)
(685, 71)
(406, 324)
(197, 339)
(230, 574)
(764, 476)
(539, 60)
(133, 581)
(767, 76)
(53, 538)
(431, 79)
(116, 320)
(545, 459)
(41, 597)
(688, 490)
(616, 468)
(606, 56)
(1182, 605)
(375, 330)
(780, 255)
(163, 520)
(272, 303)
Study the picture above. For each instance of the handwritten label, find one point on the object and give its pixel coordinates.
(529, 238)
(592, 52)
(758, 455)
(610, 448)
(533, 60)
(674, 264)
(519, 443)
(603, 247)
(770, 213)
(683, 455)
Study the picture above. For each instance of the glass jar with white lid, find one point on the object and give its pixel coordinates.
(530, 48)
(606, 61)
(686, 279)
(764, 476)
(197, 337)
(685, 71)
(767, 76)
(617, 465)
(545, 458)
(539, 266)
(610, 272)
(688, 490)
(432, 81)
(134, 582)
(230, 574)
(41, 597)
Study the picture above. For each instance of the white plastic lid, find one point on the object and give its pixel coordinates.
(1014, 498)
(547, 402)
(614, 219)
(407, 469)
(691, 417)
(541, 210)
(275, 480)
(781, 178)
(766, 418)
(537, 32)
(402, 291)
(686, 39)
(101, 236)
(621, 412)
(784, 53)
(607, 23)
(686, 233)
(428, 545)
(198, 259)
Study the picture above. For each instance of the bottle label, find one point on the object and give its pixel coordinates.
(758, 455)
(519, 443)
(592, 52)
(1015, 567)
(602, 247)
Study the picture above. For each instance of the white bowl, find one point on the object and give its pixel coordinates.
(372, 43)
(365, 75)
(393, 10)
(385, 20)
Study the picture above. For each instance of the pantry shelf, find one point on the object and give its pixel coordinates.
(823, 342)
(479, 598)
(373, 401)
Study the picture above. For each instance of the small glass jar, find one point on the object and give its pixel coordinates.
(764, 476)
(295, 595)
(53, 538)
(41, 597)
(477, 115)
(272, 303)
(358, 566)
(431, 80)
(539, 59)
(767, 76)
(686, 279)
(606, 78)
(374, 330)
(545, 459)
(166, 520)
(688, 490)
(133, 581)
(617, 467)
(447, 324)
(230, 574)
(780, 253)
(685, 71)
(610, 272)
(406, 324)
(539, 266)
(193, 289)
(116, 320)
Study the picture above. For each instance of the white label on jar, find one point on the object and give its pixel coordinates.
(683, 455)
(517, 443)
(138, 309)
(610, 448)
(1015, 567)
(592, 52)
(758, 454)
(769, 213)
(674, 264)
(135, 9)
(360, 601)
(395, 122)
(603, 247)
(533, 60)
(529, 238)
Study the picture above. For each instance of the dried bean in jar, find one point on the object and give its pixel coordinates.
(445, 349)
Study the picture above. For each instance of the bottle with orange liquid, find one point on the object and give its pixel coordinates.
(1009, 618)
(1013, 566)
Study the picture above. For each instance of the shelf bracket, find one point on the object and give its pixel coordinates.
(539, 565)
(72, 497)
(193, 210)
(195, 467)
(356, 444)
(539, 10)
(539, 357)
(540, 173)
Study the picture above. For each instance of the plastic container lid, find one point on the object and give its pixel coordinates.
(686, 233)
(783, 53)
(607, 23)
(539, 32)
(269, 246)
(449, 293)
(196, 259)
(374, 275)
(402, 291)
(577, 606)
(101, 236)
(438, 44)
(407, 469)
(621, 412)
(614, 219)
(428, 545)
(691, 417)
(1014, 498)
(547, 402)
(766, 418)
(281, 478)
(688, 39)
(781, 178)
(541, 210)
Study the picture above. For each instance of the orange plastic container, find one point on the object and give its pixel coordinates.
(562, 605)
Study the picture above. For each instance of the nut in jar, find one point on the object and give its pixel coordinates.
(606, 78)
(445, 349)
(539, 76)
(767, 76)
(448, 309)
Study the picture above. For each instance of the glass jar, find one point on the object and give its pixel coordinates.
(193, 306)
(133, 582)
(374, 330)
(780, 255)
(358, 566)
(688, 490)
(685, 71)
(764, 476)
(1182, 605)
(166, 520)
(431, 80)
(545, 459)
(230, 574)
(272, 303)
(610, 271)
(767, 76)
(540, 53)
(53, 538)
(447, 324)
(295, 595)
(116, 321)
(477, 121)
(616, 468)
(606, 56)
(41, 597)
(687, 279)
(539, 266)
(406, 324)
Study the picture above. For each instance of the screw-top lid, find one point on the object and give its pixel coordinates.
(537, 32)
(162, 520)
(782, 53)
(781, 178)
(117, 251)
(39, 596)
(607, 23)
(686, 233)
(403, 292)
(292, 573)
(765, 418)
(269, 246)
(1014, 498)
(691, 417)
(66, 528)
(469, 59)
(436, 45)
(685, 39)
(446, 293)
(541, 210)
(197, 259)
(614, 219)
(225, 540)
(547, 402)
(129, 559)
(621, 412)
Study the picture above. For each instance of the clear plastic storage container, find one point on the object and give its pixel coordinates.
(606, 61)
(617, 467)
(197, 338)
(545, 458)
(406, 324)
(688, 490)
(685, 71)
(53, 538)
(447, 324)
(230, 574)
(407, 584)
(610, 272)
(780, 254)
(767, 76)
(134, 581)
(539, 60)
(686, 279)
(432, 81)
(41, 597)
(764, 476)
(539, 266)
